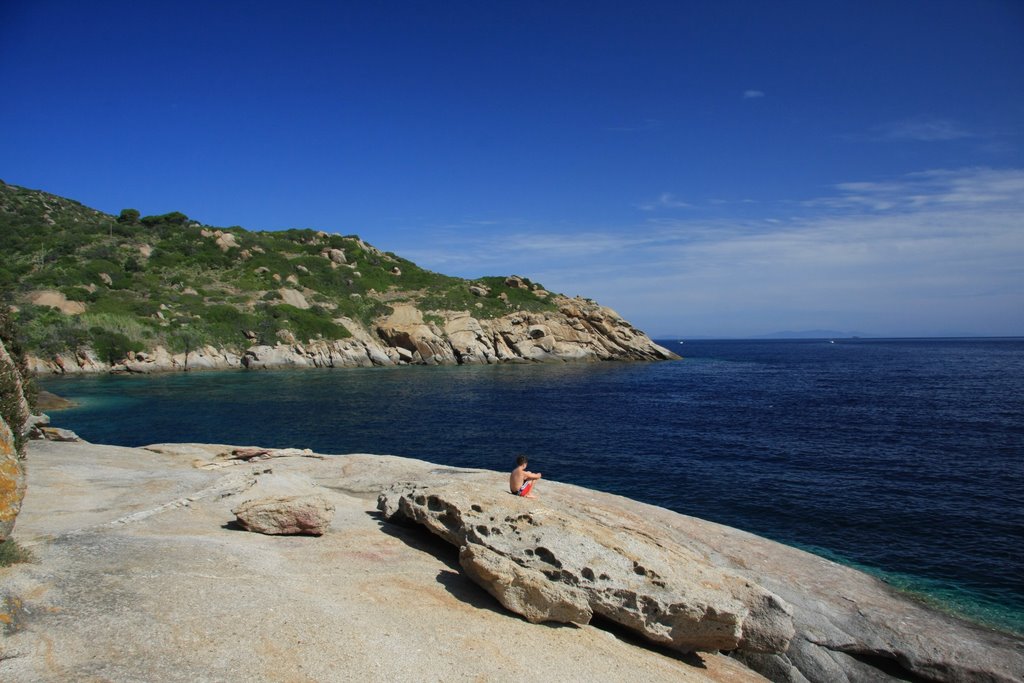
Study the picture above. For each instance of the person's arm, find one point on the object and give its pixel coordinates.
(528, 476)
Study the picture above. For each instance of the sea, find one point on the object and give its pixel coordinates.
(901, 457)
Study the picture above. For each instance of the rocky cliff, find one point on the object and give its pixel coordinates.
(578, 330)
(13, 417)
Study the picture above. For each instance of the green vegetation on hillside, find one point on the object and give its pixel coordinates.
(133, 282)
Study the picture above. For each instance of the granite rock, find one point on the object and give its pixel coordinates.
(12, 455)
(285, 504)
(553, 564)
(580, 330)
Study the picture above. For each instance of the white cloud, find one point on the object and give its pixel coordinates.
(752, 94)
(666, 200)
(931, 188)
(923, 130)
(927, 253)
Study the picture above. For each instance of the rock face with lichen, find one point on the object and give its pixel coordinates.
(551, 564)
(12, 455)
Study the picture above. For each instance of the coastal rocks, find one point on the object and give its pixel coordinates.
(58, 434)
(285, 504)
(35, 423)
(159, 359)
(84, 361)
(13, 418)
(579, 331)
(319, 353)
(12, 480)
(405, 329)
(469, 340)
(551, 564)
(522, 590)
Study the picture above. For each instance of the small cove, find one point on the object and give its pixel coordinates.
(901, 457)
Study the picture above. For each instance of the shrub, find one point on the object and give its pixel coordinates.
(12, 553)
(48, 332)
(307, 324)
(111, 346)
(76, 293)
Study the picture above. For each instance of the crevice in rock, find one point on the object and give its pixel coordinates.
(631, 637)
(887, 665)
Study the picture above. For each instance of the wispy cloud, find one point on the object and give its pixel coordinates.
(752, 94)
(930, 189)
(922, 130)
(919, 254)
(666, 200)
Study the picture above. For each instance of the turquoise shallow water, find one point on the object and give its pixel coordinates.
(904, 458)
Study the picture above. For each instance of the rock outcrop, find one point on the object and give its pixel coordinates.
(285, 504)
(579, 331)
(787, 614)
(13, 418)
(114, 526)
(552, 564)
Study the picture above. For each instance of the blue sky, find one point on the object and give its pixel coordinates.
(705, 168)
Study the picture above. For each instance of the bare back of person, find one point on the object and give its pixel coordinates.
(521, 481)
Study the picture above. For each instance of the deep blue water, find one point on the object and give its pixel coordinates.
(903, 457)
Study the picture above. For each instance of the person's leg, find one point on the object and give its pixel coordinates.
(527, 491)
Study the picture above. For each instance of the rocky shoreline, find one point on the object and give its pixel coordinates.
(580, 330)
(143, 572)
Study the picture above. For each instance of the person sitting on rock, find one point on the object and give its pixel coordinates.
(521, 482)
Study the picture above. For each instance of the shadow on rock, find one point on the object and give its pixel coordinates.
(418, 538)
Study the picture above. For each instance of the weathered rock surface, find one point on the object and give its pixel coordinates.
(552, 564)
(12, 481)
(137, 577)
(12, 455)
(285, 504)
(58, 434)
(579, 331)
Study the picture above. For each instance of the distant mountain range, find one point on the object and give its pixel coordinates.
(812, 334)
(786, 334)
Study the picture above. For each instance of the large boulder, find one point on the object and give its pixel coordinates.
(405, 328)
(285, 504)
(556, 564)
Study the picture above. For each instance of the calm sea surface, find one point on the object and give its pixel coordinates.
(903, 457)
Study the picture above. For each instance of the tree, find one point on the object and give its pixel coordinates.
(187, 340)
(129, 216)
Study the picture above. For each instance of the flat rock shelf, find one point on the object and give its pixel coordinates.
(141, 572)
